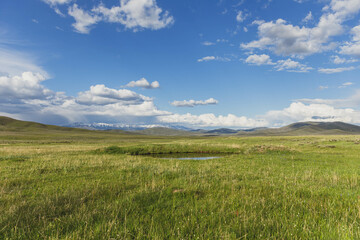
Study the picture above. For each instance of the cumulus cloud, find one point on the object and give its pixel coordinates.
(338, 60)
(101, 95)
(193, 103)
(301, 112)
(57, 2)
(281, 65)
(353, 47)
(284, 38)
(83, 20)
(25, 97)
(135, 14)
(335, 70)
(211, 120)
(291, 66)
(262, 59)
(26, 86)
(143, 83)
(132, 14)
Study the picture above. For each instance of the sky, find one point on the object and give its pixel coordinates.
(199, 64)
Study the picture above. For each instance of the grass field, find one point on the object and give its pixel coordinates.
(71, 185)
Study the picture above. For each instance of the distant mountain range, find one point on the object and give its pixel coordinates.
(120, 126)
(295, 129)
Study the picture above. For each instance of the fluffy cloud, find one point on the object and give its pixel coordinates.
(262, 59)
(56, 2)
(101, 95)
(193, 103)
(291, 66)
(210, 120)
(83, 20)
(335, 70)
(26, 86)
(281, 65)
(143, 83)
(338, 60)
(136, 14)
(352, 47)
(300, 112)
(286, 39)
(25, 97)
(132, 14)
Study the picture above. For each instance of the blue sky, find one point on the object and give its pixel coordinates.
(208, 64)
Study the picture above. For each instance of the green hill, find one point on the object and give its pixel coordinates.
(10, 124)
(162, 131)
(307, 128)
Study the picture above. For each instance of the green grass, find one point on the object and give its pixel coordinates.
(70, 185)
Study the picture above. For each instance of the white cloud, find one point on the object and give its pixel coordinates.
(101, 95)
(193, 103)
(210, 120)
(335, 70)
(25, 97)
(300, 112)
(15, 63)
(350, 102)
(352, 48)
(309, 17)
(262, 59)
(291, 66)
(207, 43)
(26, 86)
(135, 14)
(347, 84)
(323, 87)
(213, 58)
(206, 59)
(57, 2)
(338, 60)
(83, 20)
(286, 39)
(241, 16)
(143, 83)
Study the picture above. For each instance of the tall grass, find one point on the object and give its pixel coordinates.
(273, 188)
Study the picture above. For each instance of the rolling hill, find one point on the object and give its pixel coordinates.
(295, 129)
(306, 128)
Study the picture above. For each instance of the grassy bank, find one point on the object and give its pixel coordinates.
(68, 186)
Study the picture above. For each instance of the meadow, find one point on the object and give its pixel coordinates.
(96, 185)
